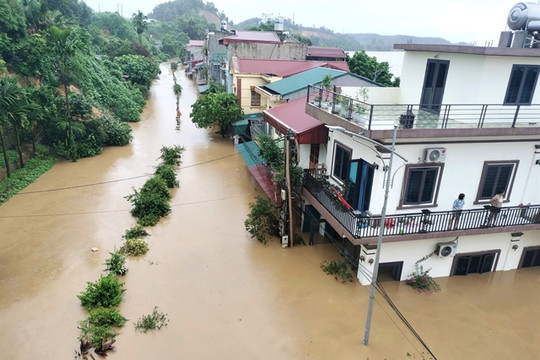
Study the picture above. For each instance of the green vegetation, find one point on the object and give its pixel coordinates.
(116, 264)
(167, 173)
(156, 320)
(135, 232)
(150, 203)
(338, 268)
(367, 66)
(421, 280)
(270, 151)
(261, 220)
(106, 292)
(134, 247)
(171, 155)
(216, 109)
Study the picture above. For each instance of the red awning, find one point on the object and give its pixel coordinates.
(292, 115)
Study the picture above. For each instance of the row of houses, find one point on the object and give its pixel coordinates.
(382, 165)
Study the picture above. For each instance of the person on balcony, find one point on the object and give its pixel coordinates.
(496, 203)
(457, 207)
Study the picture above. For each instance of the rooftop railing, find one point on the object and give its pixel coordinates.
(418, 116)
(361, 226)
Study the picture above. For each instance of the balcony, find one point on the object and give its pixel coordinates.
(373, 117)
(360, 229)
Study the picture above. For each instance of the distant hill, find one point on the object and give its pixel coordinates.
(349, 42)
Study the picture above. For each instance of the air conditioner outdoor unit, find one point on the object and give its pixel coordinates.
(285, 241)
(434, 155)
(446, 249)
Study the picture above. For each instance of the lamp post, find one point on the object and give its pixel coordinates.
(379, 241)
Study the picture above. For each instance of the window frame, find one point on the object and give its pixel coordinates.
(257, 96)
(406, 179)
(520, 87)
(481, 183)
(347, 150)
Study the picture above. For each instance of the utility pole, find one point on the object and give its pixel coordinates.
(379, 240)
(288, 138)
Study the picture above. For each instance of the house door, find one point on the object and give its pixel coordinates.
(390, 271)
(530, 257)
(434, 82)
(359, 185)
(469, 264)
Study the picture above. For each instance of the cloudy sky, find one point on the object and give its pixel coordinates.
(472, 21)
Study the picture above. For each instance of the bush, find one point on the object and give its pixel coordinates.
(151, 203)
(106, 317)
(156, 320)
(106, 292)
(261, 220)
(337, 268)
(168, 174)
(116, 264)
(135, 232)
(421, 280)
(171, 155)
(134, 247)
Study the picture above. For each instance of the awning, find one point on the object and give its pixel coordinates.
(292, 115)
(240, 127)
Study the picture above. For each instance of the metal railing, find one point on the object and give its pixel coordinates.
(361, 226)
(414, 116)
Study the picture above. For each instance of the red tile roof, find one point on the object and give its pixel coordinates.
(268, 37)
(196, 43)
(285, 68)
(292, 115)
(327, 52)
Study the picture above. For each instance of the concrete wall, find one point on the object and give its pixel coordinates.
(284, 51)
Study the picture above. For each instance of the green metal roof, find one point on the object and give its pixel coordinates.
(301, 81)
(250, 152)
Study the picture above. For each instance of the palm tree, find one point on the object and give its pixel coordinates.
(139, 21)
(14, 108)
(65, 47)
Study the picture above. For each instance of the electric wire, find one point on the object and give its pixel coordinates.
(118, 180)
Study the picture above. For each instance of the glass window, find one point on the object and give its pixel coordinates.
(421, 185)
(521, 86)
(496, 176)
(342, 160)
(255, 98)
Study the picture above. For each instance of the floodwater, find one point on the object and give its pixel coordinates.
(226, 295)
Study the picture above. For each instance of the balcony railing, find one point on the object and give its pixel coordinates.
(361, 226)
(414, 116)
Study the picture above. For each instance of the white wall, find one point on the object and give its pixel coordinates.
(472, 79)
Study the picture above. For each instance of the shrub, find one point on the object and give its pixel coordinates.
(95, 335)
(134, 247)
(261, 220)
(421, 280)
(135, 232)
(106, 317)
(337, 268)
(151, 203)
(116, 264)
(171, 155)
(168, 174)
(270, 151)
(156, 320)
(106, 292)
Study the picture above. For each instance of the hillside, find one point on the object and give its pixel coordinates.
(350, 42)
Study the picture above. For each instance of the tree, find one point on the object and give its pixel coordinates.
(140, 22)
(216, 109)
(367, 66)
(65, 46)
(14, 107)
(177, 89)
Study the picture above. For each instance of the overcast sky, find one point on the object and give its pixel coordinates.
(472, 21)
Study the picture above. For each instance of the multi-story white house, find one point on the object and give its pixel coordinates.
(467, 121)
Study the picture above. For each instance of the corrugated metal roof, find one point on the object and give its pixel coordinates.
(302, 80)
(284, 68)
(252, 36)
(328, 52)
(292, 115)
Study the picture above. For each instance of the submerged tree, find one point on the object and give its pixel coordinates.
(216, 109)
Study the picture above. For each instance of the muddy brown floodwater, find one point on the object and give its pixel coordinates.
(226, 295)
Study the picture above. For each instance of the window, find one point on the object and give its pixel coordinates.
(496, 176)
(255, 98)
(314, 154)
(421, 185)
(521, 86)
(342, 160)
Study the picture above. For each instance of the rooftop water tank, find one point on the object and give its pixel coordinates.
(524, 16)
(278, 24)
